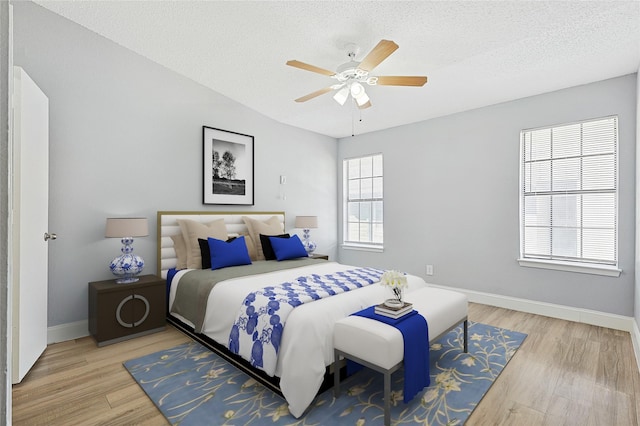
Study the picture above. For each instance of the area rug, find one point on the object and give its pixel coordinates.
(193, 386)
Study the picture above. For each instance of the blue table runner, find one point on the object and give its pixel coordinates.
(415, 334)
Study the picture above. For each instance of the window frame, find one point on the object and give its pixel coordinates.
(595, 268)
(361, 245)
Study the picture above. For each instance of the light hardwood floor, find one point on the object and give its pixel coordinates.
(565, 373)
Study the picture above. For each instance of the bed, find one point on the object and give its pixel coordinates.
(306, 345)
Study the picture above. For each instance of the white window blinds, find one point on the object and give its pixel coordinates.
(363, 201)
(569, 192)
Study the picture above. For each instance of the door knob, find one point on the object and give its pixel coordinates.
(48, 236)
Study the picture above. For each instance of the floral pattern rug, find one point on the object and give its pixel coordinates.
(193, 386)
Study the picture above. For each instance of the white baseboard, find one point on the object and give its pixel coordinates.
(587, 316)
(635, 339)
(69, 331)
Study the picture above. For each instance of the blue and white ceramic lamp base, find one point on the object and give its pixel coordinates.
(127, 265)
(309, 245)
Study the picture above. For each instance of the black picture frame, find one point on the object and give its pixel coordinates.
(227, 167)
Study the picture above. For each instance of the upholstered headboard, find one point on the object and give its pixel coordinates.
(168, 226)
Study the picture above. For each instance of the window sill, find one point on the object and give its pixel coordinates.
(593, 269)
(363, 247)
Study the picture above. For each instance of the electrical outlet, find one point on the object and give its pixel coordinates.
(429, 269)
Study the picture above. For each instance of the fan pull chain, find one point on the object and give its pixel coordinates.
(353, 117)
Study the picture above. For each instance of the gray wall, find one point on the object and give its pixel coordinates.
(451, 197)
(126, 139)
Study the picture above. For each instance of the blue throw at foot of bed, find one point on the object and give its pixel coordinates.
(415, 334)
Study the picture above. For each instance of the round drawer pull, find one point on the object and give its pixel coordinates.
(125, 300)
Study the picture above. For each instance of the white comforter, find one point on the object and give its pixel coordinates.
(307, 340)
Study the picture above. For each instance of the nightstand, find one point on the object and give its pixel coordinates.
(319, 256)
(119, 312)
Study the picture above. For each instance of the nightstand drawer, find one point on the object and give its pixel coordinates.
(123, 311)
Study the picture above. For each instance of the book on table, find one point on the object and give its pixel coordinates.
(390, 312)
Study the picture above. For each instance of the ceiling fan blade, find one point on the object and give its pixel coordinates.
(312, 68)
(377, 55)
(315, 94)
(367, 105)
(402, 81)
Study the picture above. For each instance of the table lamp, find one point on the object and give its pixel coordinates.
(127, 265)
(305, 223)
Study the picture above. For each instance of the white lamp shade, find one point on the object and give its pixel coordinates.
(362, 99)
(356, 90)
(306, 222)
(119, 227)
(341, 95)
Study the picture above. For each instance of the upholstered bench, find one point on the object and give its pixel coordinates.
(379, 346)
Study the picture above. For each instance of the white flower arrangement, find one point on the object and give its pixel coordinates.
(395, 280)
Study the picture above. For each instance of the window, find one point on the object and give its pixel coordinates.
(569, 195)
(363, 224)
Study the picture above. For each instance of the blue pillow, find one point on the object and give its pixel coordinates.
(228, 253)
(205, 252)
(266, 245)
(288, 248)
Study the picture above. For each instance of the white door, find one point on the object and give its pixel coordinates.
(29, 252)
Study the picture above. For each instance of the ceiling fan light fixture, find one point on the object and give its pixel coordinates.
(356, 89)
(358, 93)
(341, 95)
(362, 99)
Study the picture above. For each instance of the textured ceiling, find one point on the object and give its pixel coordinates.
(475, 53)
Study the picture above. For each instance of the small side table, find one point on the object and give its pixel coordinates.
(119, 312)
(319, 256)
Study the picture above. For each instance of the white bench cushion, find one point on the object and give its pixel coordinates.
(370, 340)
(382, 344)
(441, 308)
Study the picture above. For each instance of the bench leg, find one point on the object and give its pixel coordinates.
(466, 336)
(385, 372)
(387, 398)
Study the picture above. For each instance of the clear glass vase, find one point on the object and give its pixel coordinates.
(396, 301)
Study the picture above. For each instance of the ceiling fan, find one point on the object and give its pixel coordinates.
(352, 75)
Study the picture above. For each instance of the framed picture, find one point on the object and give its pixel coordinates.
(227, 167)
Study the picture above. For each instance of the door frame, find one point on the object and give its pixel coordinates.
(6, 84)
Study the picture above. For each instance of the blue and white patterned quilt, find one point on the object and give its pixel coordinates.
(257, 330)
